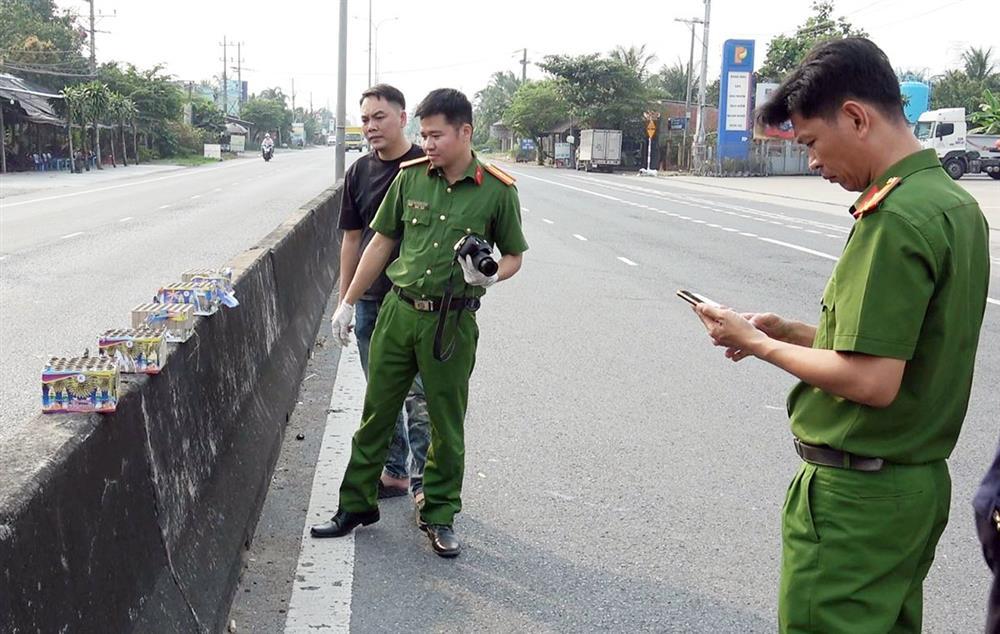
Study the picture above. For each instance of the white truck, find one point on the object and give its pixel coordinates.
(946, 132)
(600, 150)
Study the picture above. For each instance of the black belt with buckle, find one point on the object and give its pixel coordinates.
(433, 304)
(830, 457)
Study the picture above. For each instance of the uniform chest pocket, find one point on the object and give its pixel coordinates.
(415, 217)
(459, 228)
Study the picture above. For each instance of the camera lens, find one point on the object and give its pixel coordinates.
(485, 263)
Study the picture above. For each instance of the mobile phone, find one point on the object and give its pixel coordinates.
(694, 298)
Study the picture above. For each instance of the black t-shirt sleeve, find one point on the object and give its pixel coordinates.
(350, 215)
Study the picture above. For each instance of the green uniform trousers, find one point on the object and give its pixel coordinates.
(401, 346)
(856, 547)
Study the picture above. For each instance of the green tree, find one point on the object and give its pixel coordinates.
(601, 91)
(205, 116)
(41, 43)
(987, 118)
(96, 97)
(671, 82)
(268, 115)
(635, 58)
(978, 63)
(491, 102)
(159, 101)
(73, 99)
(537, 106)
(785, 52)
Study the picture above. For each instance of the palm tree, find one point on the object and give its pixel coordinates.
(671, 81)
(76, 107)
(978, 62)
(97, 97)
(128, 113)
(635, 58)
(118, 108)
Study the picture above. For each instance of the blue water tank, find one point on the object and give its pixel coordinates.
(917, 95)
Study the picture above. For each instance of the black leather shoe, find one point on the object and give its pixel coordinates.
(343, 523)
(443, 540)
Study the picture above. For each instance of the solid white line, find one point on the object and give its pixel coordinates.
(547, 221)
(125, 219)
(579, 237)
(813, 231)
(627, 261)
(72, 235)
(324, 576)
(111, 187)
(585, 191)
(798, 248)
(749, 235)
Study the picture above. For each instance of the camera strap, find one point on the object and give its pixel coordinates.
(442, 352)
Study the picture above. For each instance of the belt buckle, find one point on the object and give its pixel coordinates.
(424, 305)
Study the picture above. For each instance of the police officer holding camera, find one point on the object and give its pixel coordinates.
(435, 210)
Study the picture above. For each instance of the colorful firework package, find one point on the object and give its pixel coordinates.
(202, 295)
(137, 350)
(221, 278)
(85, 384)
(177, 319)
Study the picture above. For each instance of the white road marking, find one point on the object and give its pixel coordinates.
(714, 226)
(547, 221)
(832, 235)
(730, 230)
(780, 409)
(321, 594)
(813, 231)
(125, 219)
(683, 217)
(627, 261)
(196, 196)
(749, 235)
(3, 257)
(995, 302)
(700, 222)
(111, 187)
(798, 248)
(163, 206)
(72, 235)
(525, 209)
(218, 189)
(579, 237)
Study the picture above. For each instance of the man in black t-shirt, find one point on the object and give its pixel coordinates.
(383, 119)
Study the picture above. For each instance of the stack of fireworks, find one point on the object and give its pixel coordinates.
(178, 319)
(202, 295)
(221, 278)
(140, 350)
(84, 384)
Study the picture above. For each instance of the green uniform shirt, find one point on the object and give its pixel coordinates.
(430, 217)
(912, 285)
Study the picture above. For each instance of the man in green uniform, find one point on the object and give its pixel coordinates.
(433, 205)
(886, 375)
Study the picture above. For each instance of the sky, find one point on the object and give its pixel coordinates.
(421, 46)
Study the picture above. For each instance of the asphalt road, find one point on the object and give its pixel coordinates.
(621, 475)
(75, 259)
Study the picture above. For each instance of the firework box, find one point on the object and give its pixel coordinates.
(201, 295)
(221, 278)
(137, 350)
(86, 384)
(178, 319)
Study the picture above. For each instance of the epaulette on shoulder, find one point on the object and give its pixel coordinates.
(412, 162)
(499, 174)
(875, 198)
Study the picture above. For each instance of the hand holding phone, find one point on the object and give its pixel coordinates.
(694, 298)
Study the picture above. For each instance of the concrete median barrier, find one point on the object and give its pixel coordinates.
(136, 521)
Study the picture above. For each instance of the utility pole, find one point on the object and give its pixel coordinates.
(524, 66)
(699, 143)
(239, 78)
(225, 79)
(369, 42)
(687, 97)
(293, 99)
(93, 50)
(338, 172)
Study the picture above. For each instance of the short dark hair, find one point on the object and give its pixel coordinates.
(387, 92)
(448, 102)
(832, 73)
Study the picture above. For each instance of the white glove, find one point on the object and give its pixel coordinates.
(342, 327)
(473, 277)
